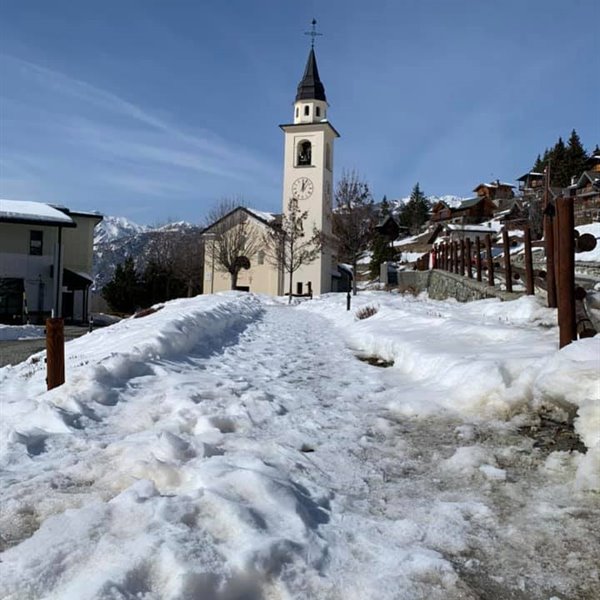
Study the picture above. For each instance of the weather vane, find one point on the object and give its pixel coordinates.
(313, 33)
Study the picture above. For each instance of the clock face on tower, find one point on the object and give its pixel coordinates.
(302, 188)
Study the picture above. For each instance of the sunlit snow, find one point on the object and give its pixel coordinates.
(234, 447)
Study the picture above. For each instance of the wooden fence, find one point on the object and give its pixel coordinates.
(475, 259)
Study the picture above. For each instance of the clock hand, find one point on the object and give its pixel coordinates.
(303, 185)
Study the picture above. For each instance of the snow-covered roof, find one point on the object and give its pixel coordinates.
(471, 228)
(265, 216)
(24, 211)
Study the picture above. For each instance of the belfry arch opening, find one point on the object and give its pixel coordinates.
(304, 154)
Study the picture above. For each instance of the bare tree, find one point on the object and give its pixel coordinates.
(287, 246)
(354, 219)
(235, 239)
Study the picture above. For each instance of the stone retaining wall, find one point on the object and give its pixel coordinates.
(441, 285)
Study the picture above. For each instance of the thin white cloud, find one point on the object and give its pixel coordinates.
(112, 131)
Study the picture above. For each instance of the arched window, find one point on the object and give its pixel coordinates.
(306, 110)
(318, 111)
(261, 257)
(304, 153)
(297, 112)
(328, 157)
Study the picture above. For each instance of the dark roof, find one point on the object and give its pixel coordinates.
(311, 88)
(530, 175)
(468, 203)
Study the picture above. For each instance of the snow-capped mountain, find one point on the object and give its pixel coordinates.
(114, 228)
(117, 238)
(451, 200)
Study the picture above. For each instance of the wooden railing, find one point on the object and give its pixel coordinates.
(475, 258)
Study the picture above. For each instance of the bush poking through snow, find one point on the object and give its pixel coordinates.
(365, 312)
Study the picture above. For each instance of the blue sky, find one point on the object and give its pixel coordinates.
(155, 110)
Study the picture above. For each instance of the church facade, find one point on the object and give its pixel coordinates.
(307, 178)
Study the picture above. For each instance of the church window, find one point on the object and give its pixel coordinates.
(306, 110)
(328, 157)
(318, 111)
(261, 257)
(304, 153)
(297, 112)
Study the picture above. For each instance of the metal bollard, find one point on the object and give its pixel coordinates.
(348, 300)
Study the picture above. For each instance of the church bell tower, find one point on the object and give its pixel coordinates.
(308, 169)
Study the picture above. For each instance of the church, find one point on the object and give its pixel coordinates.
(308, 160)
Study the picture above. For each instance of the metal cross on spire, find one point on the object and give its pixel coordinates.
(313, 33)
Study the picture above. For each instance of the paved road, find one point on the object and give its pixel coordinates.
(15, 351)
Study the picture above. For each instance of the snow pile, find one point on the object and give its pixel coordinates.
(592, 255)
(20, 332)
(230, 446)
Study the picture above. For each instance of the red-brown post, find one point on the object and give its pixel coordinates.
(55, 352)
(478, 257)
(462, 257)
(490, 260)
(507, 266)
(455, 251)
(549, 212)
(566, 271)
(469, 255)
(528, 263)
(450, 257)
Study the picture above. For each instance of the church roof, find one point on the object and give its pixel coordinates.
(310, 87)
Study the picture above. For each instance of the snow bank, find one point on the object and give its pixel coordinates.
(101, 363)
(20, 332)
(486, 359)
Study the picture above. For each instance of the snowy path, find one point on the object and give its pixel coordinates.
(274, 469)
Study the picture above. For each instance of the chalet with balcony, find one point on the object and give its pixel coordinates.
(586, 192)
(531, 182)
(497, 191)
(474, 210)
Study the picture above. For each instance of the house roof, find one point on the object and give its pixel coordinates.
(468, 203)
(530, 175)
(591, 176)
(310, 87)
(265, 218)
(494, 185)
(33, 213)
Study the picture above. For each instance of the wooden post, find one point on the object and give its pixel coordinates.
(490, 260)
(469, 255)
(478, 257)
(462, 257)
(455, 257)
(566, 271)
(507, 266)
(447, 255)
(528, 263)
(55, 352)
(549, 213)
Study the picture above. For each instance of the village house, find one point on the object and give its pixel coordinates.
(586, 192)
(46, 255)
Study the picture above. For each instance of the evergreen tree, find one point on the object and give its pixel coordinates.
(416, 211)
(381, 248)
(576, 156)
(566, 161)
(159, 284)
(122, 292)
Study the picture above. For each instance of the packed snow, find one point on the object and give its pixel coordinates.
(20, 332)
(234, 447)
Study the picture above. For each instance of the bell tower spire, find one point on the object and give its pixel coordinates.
(308, 167)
